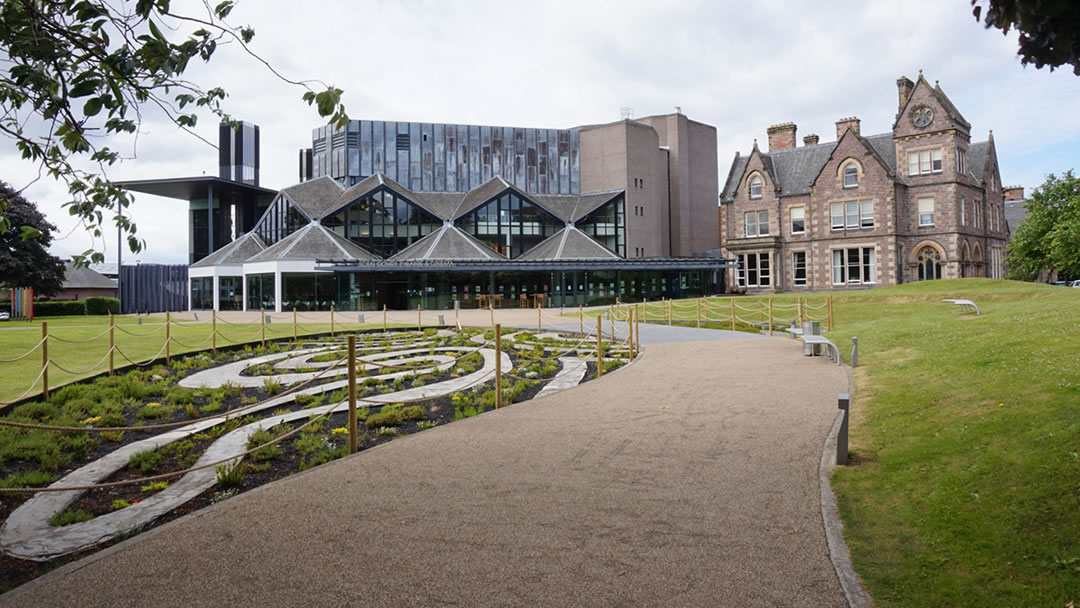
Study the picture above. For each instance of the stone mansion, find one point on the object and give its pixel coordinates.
(922, 202)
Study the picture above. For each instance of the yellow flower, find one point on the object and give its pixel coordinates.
(153, 404)
(1001, 405)
(92, 420)
(340, 431)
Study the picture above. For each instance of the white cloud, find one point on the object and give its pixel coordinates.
(736, 65)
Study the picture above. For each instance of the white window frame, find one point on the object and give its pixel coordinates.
(795, 267)
(802, 218)
(924, 162)
(853, 215)
(854, 174)
(759, 220)
(924, 215)
(760, 272)
(854, 266)
(756, 183)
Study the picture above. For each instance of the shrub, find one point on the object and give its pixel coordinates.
(66, 518)
(97, 305)
(146, 461)
(413, 412)
(154, 410)
(382, 419)
(113, 436)
(35, 411)
(120, 503)
(154, 486)
(272, 385)
(386, 431)
(179, 395)
(28, 479)
(176, 448)
(59, 309)
(269, 452)
(425, 424)
(191, 411)
(230, 474)
(305, 400)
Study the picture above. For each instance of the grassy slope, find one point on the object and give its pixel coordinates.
(967, 434)
(18, 337)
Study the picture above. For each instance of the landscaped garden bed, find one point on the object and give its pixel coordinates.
(283, 403)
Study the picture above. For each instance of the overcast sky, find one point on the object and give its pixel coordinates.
(740, 66)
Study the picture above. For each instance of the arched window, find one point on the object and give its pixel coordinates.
(929, 260)
(755, 187)
(851, 176)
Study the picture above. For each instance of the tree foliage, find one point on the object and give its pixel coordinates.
(1049, 29)
(1049, 239)
(26, 262)
(78, 72)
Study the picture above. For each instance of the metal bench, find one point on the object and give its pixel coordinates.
(834, 353)
(965, 304)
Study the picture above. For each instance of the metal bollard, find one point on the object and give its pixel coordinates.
(360, 318)
(441, 320)
(844, 403)
(854, 351)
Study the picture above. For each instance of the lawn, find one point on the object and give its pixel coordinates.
(965, 436)
(79, 344)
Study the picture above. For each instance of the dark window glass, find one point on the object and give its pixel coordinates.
(509, 224)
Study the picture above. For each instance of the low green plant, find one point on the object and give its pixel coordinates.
(209, 408)
(271, 385)
(154, 410)
(28, 479)
(113, 436)
(176, 448)
(179, 395)
(426, 424)
(191, 411)
(387, 431)
(412, 412)
(155, 486)
(269, 452)
(383, 419)
(306, 401)
(230, 474)
(146, 461)
(120, 503)
(66, 518)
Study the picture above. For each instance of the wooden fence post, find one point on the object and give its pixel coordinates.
(351, 362)
(770, 316)
(581, 320)
(294, 325)
(498, 366)
(384, 318)
(698, 312)
(539, 321)
(732, 300)
(168, 335)
(830, 321)
(419, 319)
(599, 346)
(669, 312)
(112, 342)
(45, 361)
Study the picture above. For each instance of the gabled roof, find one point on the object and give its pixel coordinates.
(797, 168)
(447, 243)
(738, 167)
(571, 208)
(1015, 214)
(568, 244)
(85, 278)
(439, 204)
(977, 157)
(235, 253)
(942, 99)
(313, 197)
(483, 193)
(310, 243)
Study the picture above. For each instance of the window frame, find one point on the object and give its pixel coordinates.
(854, 173)
(921, 214)
(760, 272)
(795, 267)
(853, 215)
(930, 164)
(802, 219)
(857, 262)
(761, 219)
(759, 184)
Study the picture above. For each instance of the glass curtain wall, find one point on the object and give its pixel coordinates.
(510, 224)
(308, 290)
(607, 224)
(230, 293)
(202, 293)
(260, 291)
(279, 221)
(383, 223)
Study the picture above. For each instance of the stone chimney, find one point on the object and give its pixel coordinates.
(1014, 193)
(810, 140)
(904, 87)
(782, 136)
(844, 124)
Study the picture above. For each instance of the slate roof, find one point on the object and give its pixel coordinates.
(85, 278)
(571, 208)
(447, 243)
(1015, 214)
(314, 196)
(568, 244)
(977, 159)
(312, 242)
(795, 168)
(235, 253)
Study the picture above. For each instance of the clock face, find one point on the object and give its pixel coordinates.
(922, 117)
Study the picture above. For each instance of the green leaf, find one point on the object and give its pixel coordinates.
(222, 10)
(29, 232)
(92, 106)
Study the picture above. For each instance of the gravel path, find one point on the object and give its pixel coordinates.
(689, 478)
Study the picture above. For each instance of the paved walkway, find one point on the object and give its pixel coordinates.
(689, 478)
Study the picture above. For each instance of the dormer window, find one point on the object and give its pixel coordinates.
(851, 176)
(755, 187)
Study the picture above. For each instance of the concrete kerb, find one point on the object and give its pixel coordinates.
(839, 555)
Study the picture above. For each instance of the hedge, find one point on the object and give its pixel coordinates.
(98, 305)
(59, 309)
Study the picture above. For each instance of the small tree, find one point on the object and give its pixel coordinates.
(1049, 29)
(1049, 239)
(26, 262)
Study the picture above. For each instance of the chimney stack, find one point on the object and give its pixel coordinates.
(844, 124)
(782, 136)
(810, 140)
(903, 90)
(1014, 193)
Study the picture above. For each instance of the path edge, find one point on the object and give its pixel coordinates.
(854, 591)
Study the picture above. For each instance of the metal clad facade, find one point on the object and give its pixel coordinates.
(436, 157)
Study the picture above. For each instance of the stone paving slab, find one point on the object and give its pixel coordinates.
(687, 479)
